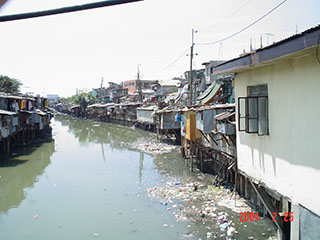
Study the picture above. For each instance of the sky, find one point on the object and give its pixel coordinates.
(59, 54)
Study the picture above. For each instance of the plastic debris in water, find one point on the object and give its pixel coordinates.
(96, 234)
(223, 226)
(231, 231)
(36, 216)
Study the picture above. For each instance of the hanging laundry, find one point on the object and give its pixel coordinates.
(12, 106)
(178, 117)
(23, 104)
(29, 105)
(16, 106)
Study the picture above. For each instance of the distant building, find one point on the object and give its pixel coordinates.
(52, 96)
(102, 94)
(210, 76)
(164, 87)
(117, 94)
(132, 85)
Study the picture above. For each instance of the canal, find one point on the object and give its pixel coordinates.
(102, 181)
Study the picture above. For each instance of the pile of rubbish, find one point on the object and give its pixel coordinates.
(199, 202)
(151, 146)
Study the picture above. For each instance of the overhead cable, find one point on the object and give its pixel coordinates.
(222, 20)
(64, 10)
(245, 28)
(180, 56)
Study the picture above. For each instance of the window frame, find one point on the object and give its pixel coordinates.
(247, 117)
(239, 114)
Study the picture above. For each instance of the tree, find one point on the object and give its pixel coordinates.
(83, 99)
(9, 85)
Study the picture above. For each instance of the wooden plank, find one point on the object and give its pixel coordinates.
(266, 200)
(213, 139)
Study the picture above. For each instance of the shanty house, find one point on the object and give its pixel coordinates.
(277, 92)
(164, 87)
(145, 114)
(8, 123)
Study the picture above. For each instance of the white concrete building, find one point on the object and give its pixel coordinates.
(277, 90)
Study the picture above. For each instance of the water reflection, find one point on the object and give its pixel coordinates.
(86, 132)
(141, 166)
(22, 171)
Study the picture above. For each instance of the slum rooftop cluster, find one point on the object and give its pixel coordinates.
(22, 113)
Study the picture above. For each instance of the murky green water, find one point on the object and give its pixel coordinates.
(88, 184)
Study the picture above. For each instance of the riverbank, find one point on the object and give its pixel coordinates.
(200, 209)
(97, 183)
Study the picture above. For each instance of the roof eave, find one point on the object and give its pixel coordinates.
(294, 44)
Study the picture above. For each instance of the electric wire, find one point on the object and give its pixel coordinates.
(227, 17)
(180, 56)
(245, 28)
(76, 8)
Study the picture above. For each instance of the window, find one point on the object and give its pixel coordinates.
(253, 111)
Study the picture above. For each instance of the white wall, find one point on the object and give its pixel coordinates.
(288, 159)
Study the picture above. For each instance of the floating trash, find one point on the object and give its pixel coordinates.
(223, 226)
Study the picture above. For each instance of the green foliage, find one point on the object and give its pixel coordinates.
(9, 85)
(83, 99)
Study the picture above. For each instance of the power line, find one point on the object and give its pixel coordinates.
(180, 56)
(76, 8)
(243, 29)
(227, 17)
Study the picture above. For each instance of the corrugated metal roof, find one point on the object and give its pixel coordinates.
(4, 112)
(149, 108)
(74, 106)
(224, 115)
(26, 111)
(169, 82)
(211, 95)
(41, 112)
(287, 46)
(96, 105)
(216, 106)
(7, 96)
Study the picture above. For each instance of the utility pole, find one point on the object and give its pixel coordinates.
(139, 85)
(191, 74)
(100, 95)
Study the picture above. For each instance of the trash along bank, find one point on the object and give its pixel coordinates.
(210, 212)
(200, 208)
